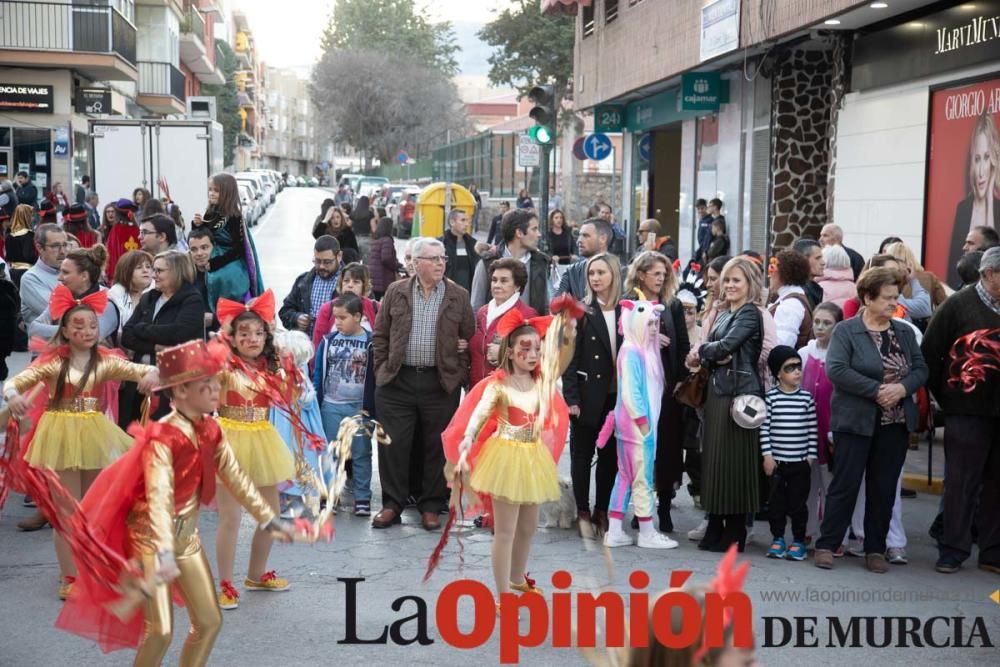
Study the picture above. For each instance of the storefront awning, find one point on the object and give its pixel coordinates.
(563, 6)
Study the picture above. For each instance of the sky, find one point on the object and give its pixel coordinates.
(291, 38)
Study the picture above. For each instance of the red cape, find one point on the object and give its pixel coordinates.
(122, 238)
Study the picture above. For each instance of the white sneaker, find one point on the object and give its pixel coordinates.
(656, 541)
(619, 540)
(697, 534)
(896, 555)
(855, 548)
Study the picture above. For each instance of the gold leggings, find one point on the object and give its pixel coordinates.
(197, 588)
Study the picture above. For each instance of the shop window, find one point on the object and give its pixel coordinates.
(588, 20)
(5, 136)
(610, 11)
(31, 154)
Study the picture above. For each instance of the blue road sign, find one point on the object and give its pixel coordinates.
(402, 157)
(645, 144)
(597, 146)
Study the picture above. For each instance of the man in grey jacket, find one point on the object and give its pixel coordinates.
(38, 282)
(595, 238)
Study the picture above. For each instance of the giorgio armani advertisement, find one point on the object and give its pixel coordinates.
(963, 183)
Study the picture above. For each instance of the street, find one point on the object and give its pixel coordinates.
(308, 624)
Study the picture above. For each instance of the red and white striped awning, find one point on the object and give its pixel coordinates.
(563, 6)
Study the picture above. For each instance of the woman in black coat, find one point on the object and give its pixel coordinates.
(651, 278)
(591, 389)
(169, 314)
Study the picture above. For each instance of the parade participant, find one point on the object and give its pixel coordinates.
(345, 381)
(298, 345)
(233, 270)
(80, 272)
(145, 506)
(634, 420)
(509, 433)
(75, 223)
(353, 279)
(123, 234)
(259, 449)
(72, 434)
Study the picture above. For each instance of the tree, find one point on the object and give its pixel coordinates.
(381, 104)
(531, 48)
(227, 104)
(393, 27)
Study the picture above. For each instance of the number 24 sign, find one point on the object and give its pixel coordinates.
(609, 119)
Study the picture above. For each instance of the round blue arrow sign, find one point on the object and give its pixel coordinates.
(644, 146)
(597, 146)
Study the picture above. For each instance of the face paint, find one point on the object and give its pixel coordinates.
(525, 357)
(82, 330)
(250, 338)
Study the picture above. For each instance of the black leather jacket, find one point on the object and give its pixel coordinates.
(739, 335)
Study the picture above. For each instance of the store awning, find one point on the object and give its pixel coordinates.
(563, 6)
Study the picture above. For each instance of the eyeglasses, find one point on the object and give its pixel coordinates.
(791, 368)
(324, 262)
(157, 271)
(436, 259)
(57, 246)
(147, 232)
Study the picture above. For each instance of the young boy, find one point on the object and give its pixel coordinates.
(788, 444)
(344, 377)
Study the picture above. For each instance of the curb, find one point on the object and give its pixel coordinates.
(918, 482)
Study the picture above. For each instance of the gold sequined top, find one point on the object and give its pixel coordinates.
(516, 412)
(109, 368)
(155, 524)
(240, 399)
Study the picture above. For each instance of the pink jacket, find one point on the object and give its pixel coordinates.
(838, 285)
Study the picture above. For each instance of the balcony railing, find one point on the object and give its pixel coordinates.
(194, 23)
(161, 79)
(56, 26)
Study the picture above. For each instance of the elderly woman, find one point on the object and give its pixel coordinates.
(507, 278)
(875, 365)
(791, 310)
(730, 453)
(837, 280)
(651, 278)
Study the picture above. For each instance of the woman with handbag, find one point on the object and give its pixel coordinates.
(733, 408)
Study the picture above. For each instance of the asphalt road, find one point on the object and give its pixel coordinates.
(307, 624)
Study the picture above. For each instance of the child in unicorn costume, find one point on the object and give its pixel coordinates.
(634, 420)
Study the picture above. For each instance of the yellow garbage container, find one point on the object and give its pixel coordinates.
(434, 204)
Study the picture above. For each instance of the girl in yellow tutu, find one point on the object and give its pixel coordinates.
(244, 410)
(510, 431)
(70, 432)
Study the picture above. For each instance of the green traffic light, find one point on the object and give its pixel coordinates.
(540, 134)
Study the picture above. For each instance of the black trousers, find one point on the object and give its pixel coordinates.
(668, 468)
(582, 445)
(692, 449)
(414, 399)
(789, 492)
(879, 458)
(971, 474)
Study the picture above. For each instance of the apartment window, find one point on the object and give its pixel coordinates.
(610, 10)
(588, 20)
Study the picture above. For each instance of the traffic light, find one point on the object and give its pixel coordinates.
(544, 114)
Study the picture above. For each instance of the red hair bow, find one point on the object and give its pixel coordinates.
(567, 302)
(263, 306)
(62, 300)
(514, 319)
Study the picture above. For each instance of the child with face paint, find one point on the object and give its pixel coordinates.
(510, 431)
(244, 412)
(814, 380)
(72, 435)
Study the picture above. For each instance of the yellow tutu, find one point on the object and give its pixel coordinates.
(261, 452)
(76, 441)
(516, 472)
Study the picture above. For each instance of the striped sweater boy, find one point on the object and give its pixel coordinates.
(788, 433)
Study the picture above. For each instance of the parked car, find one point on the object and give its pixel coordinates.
(264, 188)
(350, 180)
(370, 186)
(257, 190)
(270, 182)
(312, 181)
(248, 202)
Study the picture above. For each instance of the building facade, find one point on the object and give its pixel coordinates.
(249, 79)
(289, 143)
(774, 109)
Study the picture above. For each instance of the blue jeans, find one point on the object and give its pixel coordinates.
(361, 448)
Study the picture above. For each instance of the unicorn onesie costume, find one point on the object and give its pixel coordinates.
(634, 420)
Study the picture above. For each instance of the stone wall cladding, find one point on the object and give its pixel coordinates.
(800, 146)
(839, 84)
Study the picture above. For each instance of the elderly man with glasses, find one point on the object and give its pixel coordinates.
(313, 288)
(421, 353)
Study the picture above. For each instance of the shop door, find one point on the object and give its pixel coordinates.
(32, 154)
(665, 181)
(5, 163)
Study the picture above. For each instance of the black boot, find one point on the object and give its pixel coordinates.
(713, 533)
(666, 523)
(734, 532)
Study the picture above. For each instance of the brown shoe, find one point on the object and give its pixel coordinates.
(387, 517)
(876, 563)
(823, 559)
(430, 520)
(990, 567)
(36, 521)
